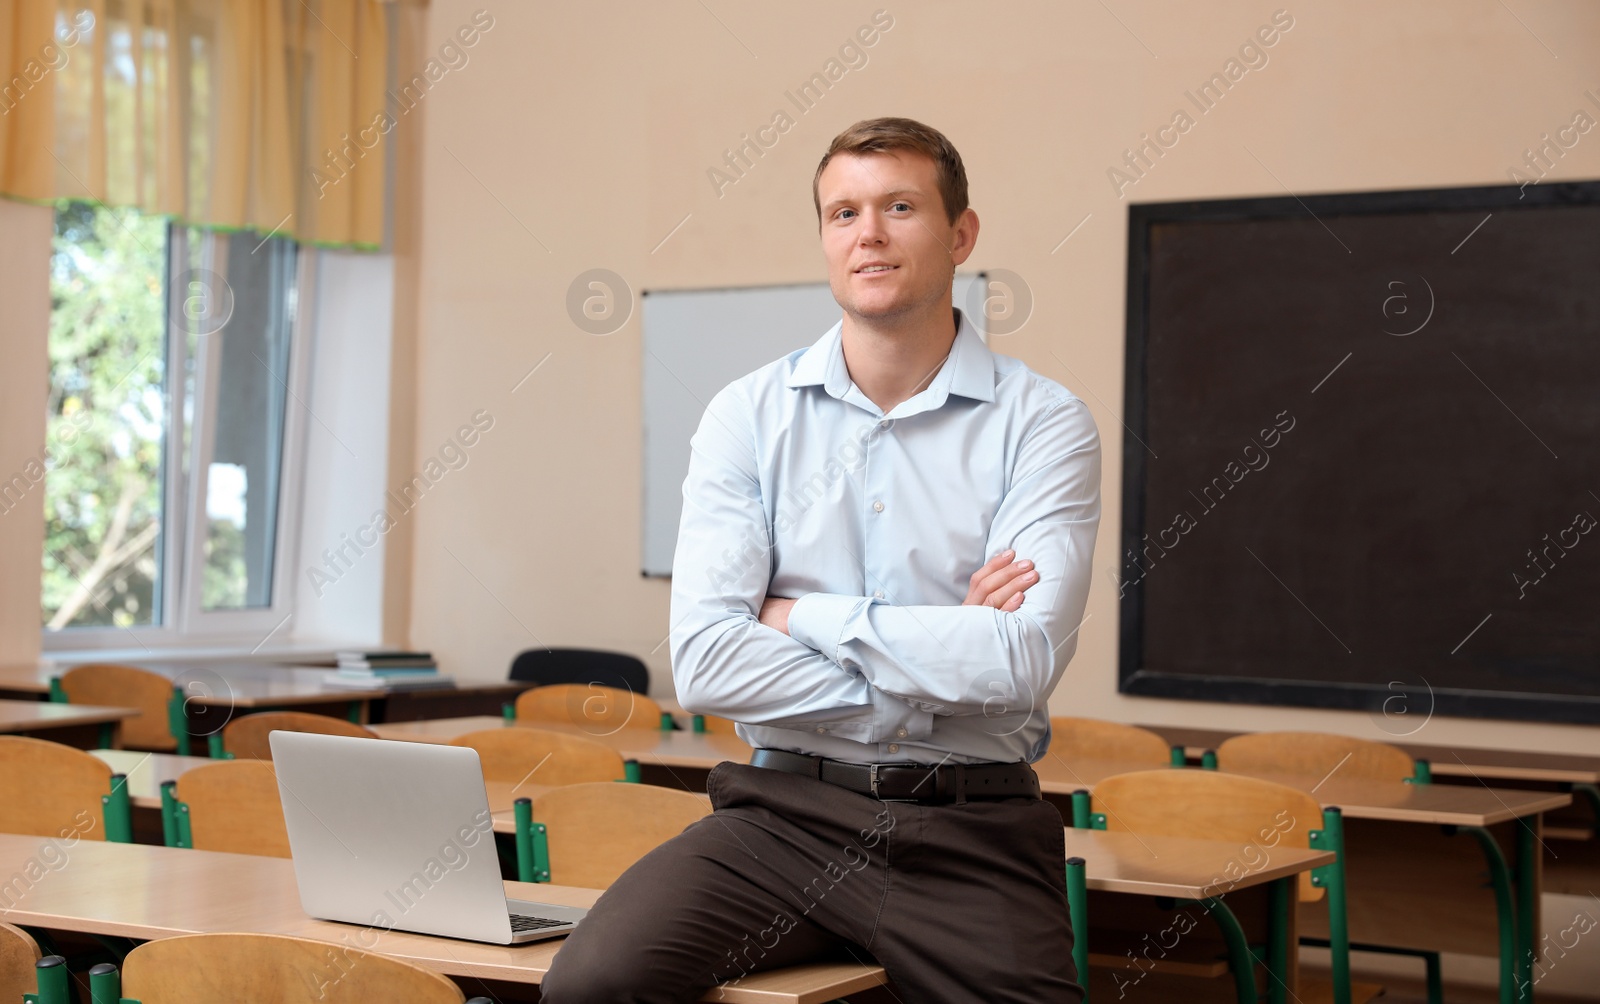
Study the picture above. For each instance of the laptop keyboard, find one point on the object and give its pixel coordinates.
(522, 922)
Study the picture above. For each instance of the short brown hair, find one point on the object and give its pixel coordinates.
(885, 134)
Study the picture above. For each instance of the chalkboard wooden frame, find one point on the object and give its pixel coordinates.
(1414, 699)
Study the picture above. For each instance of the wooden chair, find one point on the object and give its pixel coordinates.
(246, 737)
(541, 757)
(1315, 754)
(600, 709)
(159, 727)
(19, 954)
(269, 967)
(589, 834)
(1256, 815)
(230, 805)
(51, 790)
(1097, 739)
(546, 666)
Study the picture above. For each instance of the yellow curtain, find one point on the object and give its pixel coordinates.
(264, 115)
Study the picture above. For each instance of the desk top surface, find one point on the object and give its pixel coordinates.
(29, 716)
(143, 892)
(1459, 805)
(670, 749)
(242, 685)
(1446, 761)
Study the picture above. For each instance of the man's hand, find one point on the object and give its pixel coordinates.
(775, 613)
(1000, 583)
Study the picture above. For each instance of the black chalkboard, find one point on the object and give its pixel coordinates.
(1362, 452)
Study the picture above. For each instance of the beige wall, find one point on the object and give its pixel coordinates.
(25, 233)
(579, 137)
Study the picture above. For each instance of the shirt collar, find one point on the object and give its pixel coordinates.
(968, 372)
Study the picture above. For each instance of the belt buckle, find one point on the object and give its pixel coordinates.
(872, 780)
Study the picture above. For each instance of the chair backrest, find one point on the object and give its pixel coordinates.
(51, 790)
(234, 806)
(1317, 754)
(546, 666)
(277, 968)
(18, 953)
(246, 737)
(590, 706)
(1256, 815)
(535, 756)
(127, 687)
(595, 832)
(1097, 739)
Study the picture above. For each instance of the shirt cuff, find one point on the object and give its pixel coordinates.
(817, 620)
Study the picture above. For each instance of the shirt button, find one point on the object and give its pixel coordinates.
(883, 424)
(900, 732)
(877, 594)
(894, 747)
(820, 729)
(877, 507)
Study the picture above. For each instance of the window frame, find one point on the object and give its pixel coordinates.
(186, 452)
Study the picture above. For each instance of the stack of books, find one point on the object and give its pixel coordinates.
(390, 670)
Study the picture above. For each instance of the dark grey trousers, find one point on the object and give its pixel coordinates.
(957, 902)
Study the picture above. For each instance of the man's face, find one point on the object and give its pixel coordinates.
(885, 209)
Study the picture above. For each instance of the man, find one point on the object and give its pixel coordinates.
(824, 597)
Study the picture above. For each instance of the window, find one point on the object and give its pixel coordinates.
(172, 431)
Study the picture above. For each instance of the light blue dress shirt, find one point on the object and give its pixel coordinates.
(799, 486)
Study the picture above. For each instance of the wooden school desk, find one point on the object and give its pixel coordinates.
(1410, 883)
(142, 892)
(61, 722)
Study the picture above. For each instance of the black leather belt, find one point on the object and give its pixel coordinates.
(952, 782)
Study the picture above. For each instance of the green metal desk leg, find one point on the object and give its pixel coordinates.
(1208, 759)
(1505, 912)
(1281, 904)
(1527, 902)
(108, 734)
(1080, 809)
(178, 720)
(1178, 757)
(698, 723)
(105, 984)
(215, 748)
(58, 693)
(631, 771)
(508, 712)
(1332, 878)
(353, 712)
(1078, 908)
(54, 982)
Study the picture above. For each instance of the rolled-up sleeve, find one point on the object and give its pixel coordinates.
(976, 660)
(724, 660)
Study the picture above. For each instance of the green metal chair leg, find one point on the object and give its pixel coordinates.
(1080, 809)
(698, 723)
(522, 808)
(1208, 759)
(1078, 908)
(1240, 958)
(169, 813)
(118, 811)
(178, 720)
(54, 982)
(1179, 758)
(214, 746)
(1332, 878)
(105, 984)
(631, 771)
(185, 834)
(108, 734)
(508, 712)
(1505, 913)
(58, 693)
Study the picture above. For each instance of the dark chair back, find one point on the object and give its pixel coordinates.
(545, 666)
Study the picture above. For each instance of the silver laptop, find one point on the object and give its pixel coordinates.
(392, 834)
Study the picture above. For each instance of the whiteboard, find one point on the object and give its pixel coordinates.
(698, 341)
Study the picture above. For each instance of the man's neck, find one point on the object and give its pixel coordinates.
(893, 361)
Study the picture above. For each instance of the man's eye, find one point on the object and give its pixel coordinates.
(843, 211)
(902, 205)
